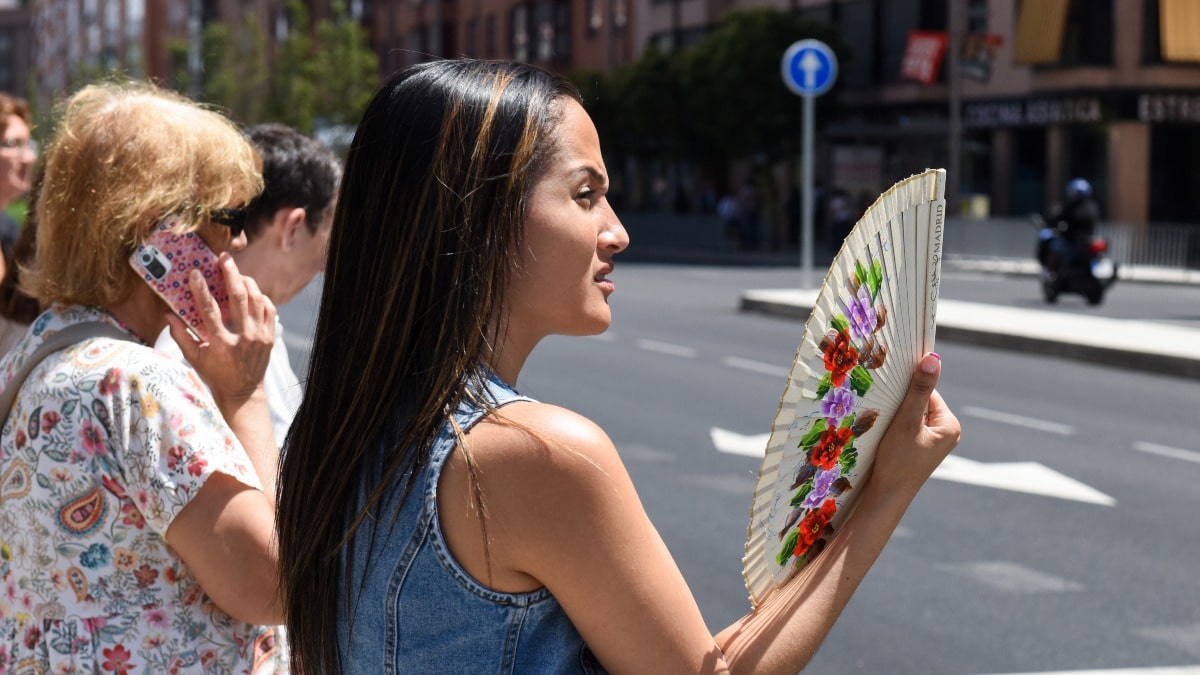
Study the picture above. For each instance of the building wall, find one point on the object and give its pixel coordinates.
(15, 53)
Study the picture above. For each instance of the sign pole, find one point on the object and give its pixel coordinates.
(809, 68)
(806, 198)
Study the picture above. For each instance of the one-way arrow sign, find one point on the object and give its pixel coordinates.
(1027, 477)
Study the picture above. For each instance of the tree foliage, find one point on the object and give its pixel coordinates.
(317, 75)
(720, 99)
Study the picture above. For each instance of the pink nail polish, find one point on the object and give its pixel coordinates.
(936, 355)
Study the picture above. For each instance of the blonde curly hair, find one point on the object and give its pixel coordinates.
(123, 157)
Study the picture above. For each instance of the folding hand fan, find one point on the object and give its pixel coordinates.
(872, 322)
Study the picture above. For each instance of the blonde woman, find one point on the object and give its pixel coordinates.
(136, 517)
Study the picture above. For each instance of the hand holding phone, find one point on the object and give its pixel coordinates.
(164, 261)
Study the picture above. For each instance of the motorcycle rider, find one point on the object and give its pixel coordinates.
(1070, 228)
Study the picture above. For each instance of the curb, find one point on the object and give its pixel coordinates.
(1150, 347)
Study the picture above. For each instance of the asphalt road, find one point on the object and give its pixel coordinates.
(977, 579)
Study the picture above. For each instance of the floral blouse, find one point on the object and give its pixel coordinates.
(106, 443)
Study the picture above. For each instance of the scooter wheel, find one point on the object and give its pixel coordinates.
(1095, 296)
(1050, 292)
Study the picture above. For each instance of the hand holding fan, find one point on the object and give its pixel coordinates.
(872, 321)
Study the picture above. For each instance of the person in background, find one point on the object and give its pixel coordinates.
(431, 517)
(137, 520)
(17, 308)
(287, 228)
(1072, 225)
(17, 157)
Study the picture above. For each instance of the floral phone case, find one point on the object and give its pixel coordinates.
(164, 261)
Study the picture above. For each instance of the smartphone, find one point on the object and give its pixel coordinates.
(164, 261)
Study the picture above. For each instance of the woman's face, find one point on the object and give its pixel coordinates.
(16, 160)
(561, 284)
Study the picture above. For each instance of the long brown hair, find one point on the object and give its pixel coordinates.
(425, 237)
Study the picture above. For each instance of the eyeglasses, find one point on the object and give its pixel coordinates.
(234, 219)
(16, 144)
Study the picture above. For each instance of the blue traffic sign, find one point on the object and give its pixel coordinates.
(809, 68)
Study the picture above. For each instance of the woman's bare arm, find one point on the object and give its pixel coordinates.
(226, 533)
(563, 511)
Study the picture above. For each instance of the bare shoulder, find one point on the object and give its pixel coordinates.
(541, 439)
(542, 473)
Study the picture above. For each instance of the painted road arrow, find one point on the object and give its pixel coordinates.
(1028, 477)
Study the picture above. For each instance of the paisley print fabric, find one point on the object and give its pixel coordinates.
(106, 443)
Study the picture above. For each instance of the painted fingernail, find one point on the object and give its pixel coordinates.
(929, 364)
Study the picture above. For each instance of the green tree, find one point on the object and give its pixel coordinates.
(236, 70)
(345, 69)
(732, 85)
(293, 85)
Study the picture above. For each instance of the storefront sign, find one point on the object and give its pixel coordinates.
(923, 55)
(1168, 108)
(1035, 112)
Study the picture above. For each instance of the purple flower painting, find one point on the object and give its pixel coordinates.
(822, 483)
(862, 315)
(837, 403)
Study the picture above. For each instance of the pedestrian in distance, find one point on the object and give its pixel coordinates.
(287, 231)
(17, 308)
(17, 158)
(137, 518)
(431, 518)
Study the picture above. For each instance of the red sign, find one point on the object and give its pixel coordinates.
(923, 55)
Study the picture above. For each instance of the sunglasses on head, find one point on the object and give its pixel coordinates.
(234, 219)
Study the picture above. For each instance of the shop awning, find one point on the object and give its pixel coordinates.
(1040, 31)
(1179, 30)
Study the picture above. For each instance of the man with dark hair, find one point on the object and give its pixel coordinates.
(287, 228)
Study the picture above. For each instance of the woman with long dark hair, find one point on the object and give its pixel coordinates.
(433, 519)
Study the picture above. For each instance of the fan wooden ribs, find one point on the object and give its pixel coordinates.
(874, 318)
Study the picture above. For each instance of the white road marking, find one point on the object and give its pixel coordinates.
(1018, 420)
(1012, 578)
(1167, 451)
(667, 348)
(733, 443)
(1185, 638)
(756, 366)
(1163, 670)
(1029, 477)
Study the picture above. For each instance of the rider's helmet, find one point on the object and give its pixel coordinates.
(1078, 189)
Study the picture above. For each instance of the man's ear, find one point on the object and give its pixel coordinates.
(291, 219)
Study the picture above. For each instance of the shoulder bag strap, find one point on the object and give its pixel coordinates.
(58, 341)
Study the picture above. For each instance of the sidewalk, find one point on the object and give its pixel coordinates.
(1139, 345)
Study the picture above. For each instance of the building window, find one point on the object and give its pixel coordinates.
(595, 17)
(520, 32)
(562, 33)
(418, 46)
(1151, 37)
(489, 36)
(543, 20)
(857, 21)
(1089, 34)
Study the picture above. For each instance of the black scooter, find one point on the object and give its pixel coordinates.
(1073, 266)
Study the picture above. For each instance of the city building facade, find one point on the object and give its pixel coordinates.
(1038, 91)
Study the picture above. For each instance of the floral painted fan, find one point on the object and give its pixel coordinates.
(872, 321)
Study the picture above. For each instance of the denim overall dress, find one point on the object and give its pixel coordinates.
(413, 609)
